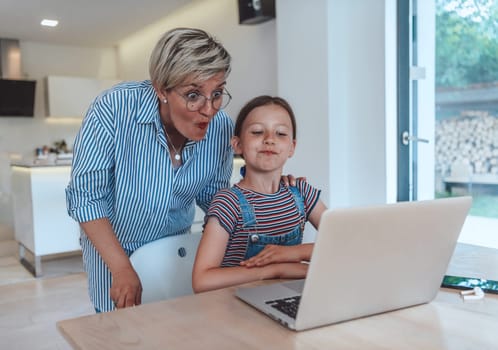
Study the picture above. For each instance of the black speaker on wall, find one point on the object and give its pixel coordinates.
(256, 11)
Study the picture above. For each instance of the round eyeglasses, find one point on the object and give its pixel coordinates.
(194, 101)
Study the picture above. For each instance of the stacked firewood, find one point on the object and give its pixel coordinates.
(472, 139)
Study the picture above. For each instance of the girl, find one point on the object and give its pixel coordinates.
(254, 230)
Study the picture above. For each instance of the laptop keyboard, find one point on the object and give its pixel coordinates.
(288, 306)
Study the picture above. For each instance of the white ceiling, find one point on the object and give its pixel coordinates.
(87, 23)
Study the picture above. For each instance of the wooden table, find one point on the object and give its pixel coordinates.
(218, 320)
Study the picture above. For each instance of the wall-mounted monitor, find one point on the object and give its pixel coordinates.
(17, 98)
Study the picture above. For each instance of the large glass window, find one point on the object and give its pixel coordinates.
(466, 131)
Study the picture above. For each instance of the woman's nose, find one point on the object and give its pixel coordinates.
(208, 110)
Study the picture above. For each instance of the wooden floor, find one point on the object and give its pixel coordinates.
(30, 307)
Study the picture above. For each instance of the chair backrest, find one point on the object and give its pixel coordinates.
(165, 266)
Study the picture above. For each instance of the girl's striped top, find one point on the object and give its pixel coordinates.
(276, 214)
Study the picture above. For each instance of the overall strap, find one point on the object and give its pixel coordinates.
(298, 197)
(246, 209)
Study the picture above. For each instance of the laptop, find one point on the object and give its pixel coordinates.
(367, 261)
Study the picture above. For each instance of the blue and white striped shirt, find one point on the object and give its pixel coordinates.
(122, 170)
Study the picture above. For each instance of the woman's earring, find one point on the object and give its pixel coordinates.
(165, 101)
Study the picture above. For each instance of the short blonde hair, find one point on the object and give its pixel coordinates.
(185, 53)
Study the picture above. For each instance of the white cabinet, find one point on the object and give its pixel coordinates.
(42, 225)
(71, 96)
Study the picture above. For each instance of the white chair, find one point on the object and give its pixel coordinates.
(165, 266)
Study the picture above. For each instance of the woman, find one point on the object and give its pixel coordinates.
(146, 153)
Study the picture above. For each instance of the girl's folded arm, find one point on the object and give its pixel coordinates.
(208, 275)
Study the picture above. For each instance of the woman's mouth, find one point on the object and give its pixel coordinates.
(202, 126)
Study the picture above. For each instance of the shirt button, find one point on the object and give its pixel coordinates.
(254, 238)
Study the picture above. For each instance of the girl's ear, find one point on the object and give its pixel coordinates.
(292, 149)
(235, 141)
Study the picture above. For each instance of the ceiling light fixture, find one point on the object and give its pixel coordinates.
(49, 23)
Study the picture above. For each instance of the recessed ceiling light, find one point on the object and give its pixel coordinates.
(49, 22)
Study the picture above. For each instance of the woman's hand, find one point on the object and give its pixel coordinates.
(126, 289)
(274, 254)
(290, 180)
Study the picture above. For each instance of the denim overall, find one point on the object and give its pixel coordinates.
(256, 241)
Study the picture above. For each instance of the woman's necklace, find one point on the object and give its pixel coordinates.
(177, 155)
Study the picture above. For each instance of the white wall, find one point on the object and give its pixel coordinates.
(332, 67)
(327, 57)
(390, 97)
(426, 99)
(40, 60)
(331, 63)
(23, 135)
(253, 51)
(303, 68)
(252, 47)
(20, 136)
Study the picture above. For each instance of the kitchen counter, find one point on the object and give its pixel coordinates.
(34, 164)
(42, 225)
(37, 163)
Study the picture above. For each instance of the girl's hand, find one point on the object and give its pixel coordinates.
(274, 254)
(291, 270)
